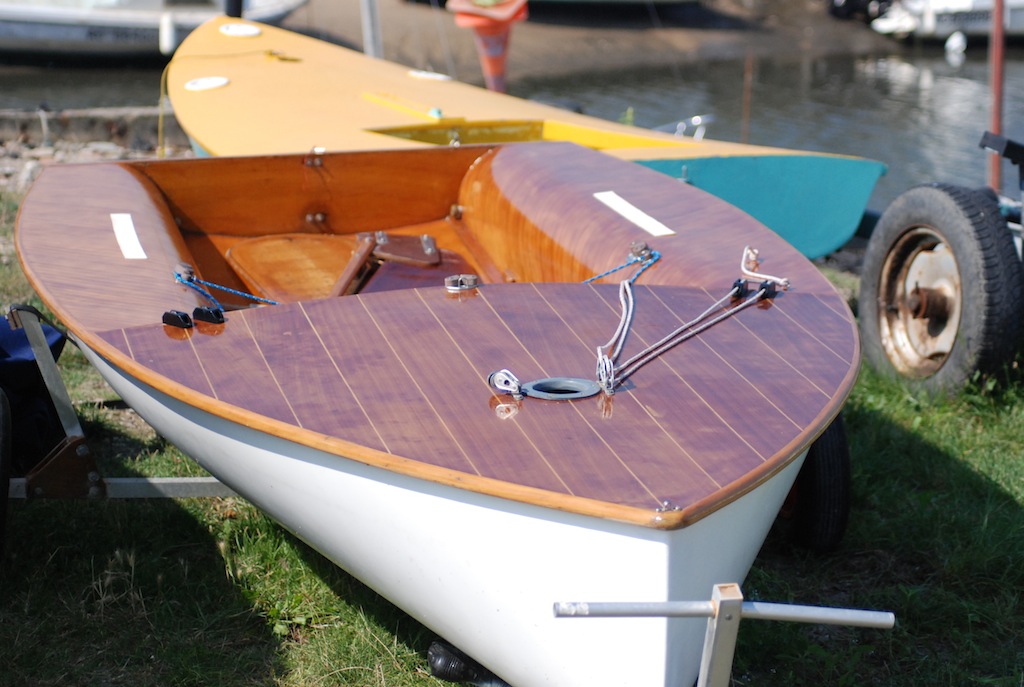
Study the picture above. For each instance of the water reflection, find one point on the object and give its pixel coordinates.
(919, 114)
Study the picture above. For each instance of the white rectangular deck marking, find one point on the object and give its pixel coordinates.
(633, 213)
(127, 239)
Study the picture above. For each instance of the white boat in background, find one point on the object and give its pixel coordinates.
(939, 19)
(104, 28)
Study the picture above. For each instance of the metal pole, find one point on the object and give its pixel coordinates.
(995, 52)
(29, 321)
(706, 609)
(724, 611)
(371, 28)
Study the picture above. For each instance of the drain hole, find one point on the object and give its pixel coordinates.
(561, 388)
(557, 387)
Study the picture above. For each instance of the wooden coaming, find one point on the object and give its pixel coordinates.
(398, 379)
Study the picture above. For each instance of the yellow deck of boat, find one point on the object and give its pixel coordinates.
(241, 88)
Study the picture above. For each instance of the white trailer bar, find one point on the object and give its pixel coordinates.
(724, 611)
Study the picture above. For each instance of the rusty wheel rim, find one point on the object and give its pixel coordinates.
(921, 300)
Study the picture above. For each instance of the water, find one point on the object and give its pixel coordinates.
(65, 87)
(917, 113)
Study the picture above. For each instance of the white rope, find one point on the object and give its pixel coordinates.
(611, 375)
(606, 362)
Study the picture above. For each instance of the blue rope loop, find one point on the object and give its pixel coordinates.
(640, 254)
(196, 284)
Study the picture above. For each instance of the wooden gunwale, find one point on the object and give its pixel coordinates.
(517, 203)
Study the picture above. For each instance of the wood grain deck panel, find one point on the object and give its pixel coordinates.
(398, 410)
(152, 347)
(630, 429)
(457, 390)
(825, 349)
(307, 374)
(573, 435)
(697, 399)
(732, 357)
(827, 322)
(62, 259)
(227, 365)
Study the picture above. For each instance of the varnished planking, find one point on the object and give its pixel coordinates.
(71, 257)
(454, 389)
(821, 349)
(306, 374)
(155, 348)
(411, 188)
(735, 360)
(630, 435)
(699, 401)
(542, 342)
(627, 456)
(537, 212)
(399, 379)
(376, 380)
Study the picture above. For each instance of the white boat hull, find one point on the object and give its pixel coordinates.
(481, 571)
(115, 28)
(939, 19)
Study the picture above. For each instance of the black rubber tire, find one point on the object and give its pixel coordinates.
(450, 664)
(823, 491)
(983, 335)
(5, 465)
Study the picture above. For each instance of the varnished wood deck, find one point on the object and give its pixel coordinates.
(399, 378)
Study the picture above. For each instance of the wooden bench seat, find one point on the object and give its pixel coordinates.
(293, 267)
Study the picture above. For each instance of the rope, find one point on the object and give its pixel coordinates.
(196, 284)
(606, 363)
(639, 252)
(611, 375)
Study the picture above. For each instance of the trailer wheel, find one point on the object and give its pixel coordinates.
(5, 465)
(942, 288)
(821, 496)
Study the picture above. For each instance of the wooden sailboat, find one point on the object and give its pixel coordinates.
(288, 93)
(406, 365)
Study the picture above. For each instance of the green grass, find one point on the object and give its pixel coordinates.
(210, 592)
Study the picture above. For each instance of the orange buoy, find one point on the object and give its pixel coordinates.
(491, 24)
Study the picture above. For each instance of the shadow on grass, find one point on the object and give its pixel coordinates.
(931, 538)
(124, 592)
